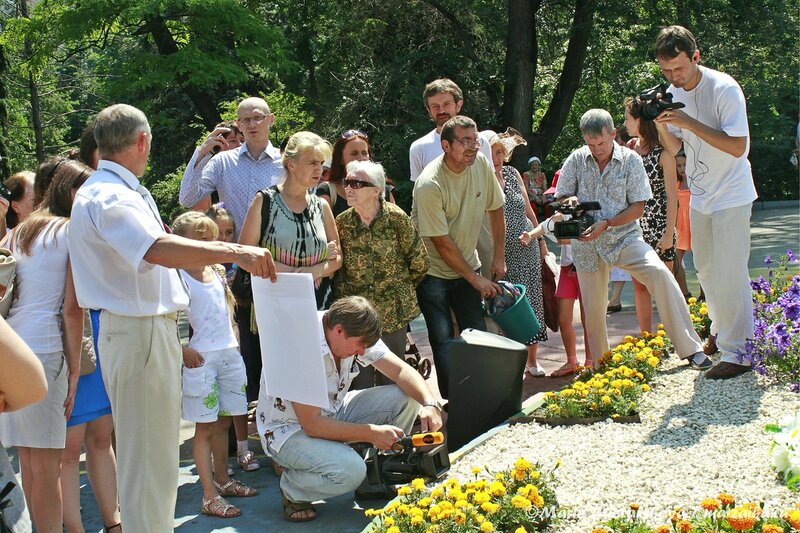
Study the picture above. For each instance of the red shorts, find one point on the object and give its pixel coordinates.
(568, 283)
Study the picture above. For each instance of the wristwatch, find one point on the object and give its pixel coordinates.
(434, 403)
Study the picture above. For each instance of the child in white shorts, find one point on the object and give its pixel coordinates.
(214, 378)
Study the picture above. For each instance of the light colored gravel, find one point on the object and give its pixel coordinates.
(698, 437)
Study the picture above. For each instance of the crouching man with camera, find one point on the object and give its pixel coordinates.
(614, 176)
(309, 443)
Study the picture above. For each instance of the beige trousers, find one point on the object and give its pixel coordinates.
(141, 361)
(643, 263)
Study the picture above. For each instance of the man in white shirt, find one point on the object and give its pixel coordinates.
(443, 100)
(309, 443)
(713, 129)
(123, 265)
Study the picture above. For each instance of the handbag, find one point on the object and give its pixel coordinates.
(241, 286)
(88, 357)
(8, 273)
(549, 277)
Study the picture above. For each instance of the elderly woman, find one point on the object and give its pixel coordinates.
(21, 203)
(535, 181)
(523, 258)
(384, 257)
(301, 231)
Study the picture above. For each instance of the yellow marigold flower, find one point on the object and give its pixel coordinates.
(634, 506)
(553, 407)
(481, 497)
(462, 504)
(710, 504)
(388, 521)
(425, 502)
(703, 311)
(641, 356)
(522, 464)
(652, 360)
(437, 493)
(599, 530)
(684, 526)
(663, 529)
(661, 333)
(616, 392)
(692, 300)
(418, 484)
(416, 520)
(793, 517)
(535, 474)
(404, 490)
(628, 338)
(521, 503)
(741, 518)
(566, 393)
(606, 400)
(645, 387)
(476, 469)
(519, 475)
(617, 358)
(369, 512)
(497, 488)
(460, 517)
(499, 476)
(487, 526)
(446, 505)
(393, 529)
(640, 344)
(490, 507)
(771, 528)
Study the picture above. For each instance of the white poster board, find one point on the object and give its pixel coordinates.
(288, 326)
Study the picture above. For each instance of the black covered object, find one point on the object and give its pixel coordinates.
(485, 384)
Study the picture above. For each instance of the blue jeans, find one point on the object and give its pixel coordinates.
(437, 297)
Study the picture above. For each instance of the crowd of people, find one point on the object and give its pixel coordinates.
(92, 250)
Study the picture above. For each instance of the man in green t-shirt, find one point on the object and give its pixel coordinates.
(451, 196)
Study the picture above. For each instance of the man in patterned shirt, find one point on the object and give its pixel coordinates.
(605, 172)
(309, 443)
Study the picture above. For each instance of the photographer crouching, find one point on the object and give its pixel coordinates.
(614, 176)
(309, 444)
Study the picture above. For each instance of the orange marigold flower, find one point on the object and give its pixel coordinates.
(793, 517)
(710, 504)
(634, 507)
(741, 518)
(663, 529)
(726, 498)
(771, 528)
(684, 526)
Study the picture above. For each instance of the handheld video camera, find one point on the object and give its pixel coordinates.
(655, 100)
(405, 462)
(580, 220)
(5, 192)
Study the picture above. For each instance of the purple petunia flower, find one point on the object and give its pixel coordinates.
(795, 387)
(767, 260)
(792, 310)
(791, 256)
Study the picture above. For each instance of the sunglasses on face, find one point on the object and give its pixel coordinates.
(356, 184)
(349, 134)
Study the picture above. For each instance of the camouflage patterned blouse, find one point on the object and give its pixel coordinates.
(383, 262)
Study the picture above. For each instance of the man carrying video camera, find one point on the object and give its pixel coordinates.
(715, 136)
(309, 443)
(614, 176)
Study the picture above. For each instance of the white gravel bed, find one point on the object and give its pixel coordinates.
(698, 437)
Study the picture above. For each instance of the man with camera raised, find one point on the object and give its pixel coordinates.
(715, 136)
(605, 172)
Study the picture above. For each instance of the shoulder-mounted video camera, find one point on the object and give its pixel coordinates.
(580, 220)
(421, 455)
(655, 100)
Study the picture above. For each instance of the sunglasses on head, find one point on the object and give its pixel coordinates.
(349, 134)
(356, 184)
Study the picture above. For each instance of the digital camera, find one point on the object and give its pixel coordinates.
(580, 220)
(655, 100)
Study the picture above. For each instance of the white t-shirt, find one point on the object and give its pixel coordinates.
(41, 276)
(429, 147)
(209, 315)
(717, 180)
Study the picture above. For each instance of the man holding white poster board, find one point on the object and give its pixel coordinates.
(309, 442)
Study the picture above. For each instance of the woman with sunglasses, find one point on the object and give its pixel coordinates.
(352, 145)
(301, 231)
(384, 258)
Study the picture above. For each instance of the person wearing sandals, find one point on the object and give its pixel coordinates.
(214, 378)
(310, 444)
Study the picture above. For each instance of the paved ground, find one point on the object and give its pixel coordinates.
(773, 231)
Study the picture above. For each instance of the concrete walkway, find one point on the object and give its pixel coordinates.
(773, 231)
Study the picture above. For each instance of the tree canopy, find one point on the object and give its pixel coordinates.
(328, 65)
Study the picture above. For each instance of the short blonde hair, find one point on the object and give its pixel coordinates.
(304, 141)
(194, 224)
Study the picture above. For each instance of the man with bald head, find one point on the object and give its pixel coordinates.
(238, 174)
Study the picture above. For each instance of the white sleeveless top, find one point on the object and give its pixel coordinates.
(209, 315)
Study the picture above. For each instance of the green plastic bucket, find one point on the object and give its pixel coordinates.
(518, 322)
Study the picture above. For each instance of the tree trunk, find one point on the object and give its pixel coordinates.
(36, 114)
(5, 170)
(553, 121)
(520, 69)
(203, 101)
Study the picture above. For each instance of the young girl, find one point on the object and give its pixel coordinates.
(683, 229)
(214, 378)
(227, 233)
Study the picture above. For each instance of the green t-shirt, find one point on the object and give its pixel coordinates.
(449, 203)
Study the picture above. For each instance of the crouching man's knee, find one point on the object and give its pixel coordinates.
(349, 474)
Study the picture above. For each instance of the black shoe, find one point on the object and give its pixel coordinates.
(614, 308)
(705, 364)
(725, 370)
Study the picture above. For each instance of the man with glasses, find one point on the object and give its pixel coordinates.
(443, 100)
(450, 199)
(238, 174)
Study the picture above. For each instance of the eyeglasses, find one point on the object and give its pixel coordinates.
(356, 184)
(349, 134)
(255, 119)
(470, 144)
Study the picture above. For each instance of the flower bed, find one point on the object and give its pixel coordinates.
(715, 515)
(520, 499)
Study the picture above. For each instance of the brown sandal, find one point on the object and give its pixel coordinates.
(235, 488)
(277, 468)
(217, 506)
(290, 509)
(565, 370)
